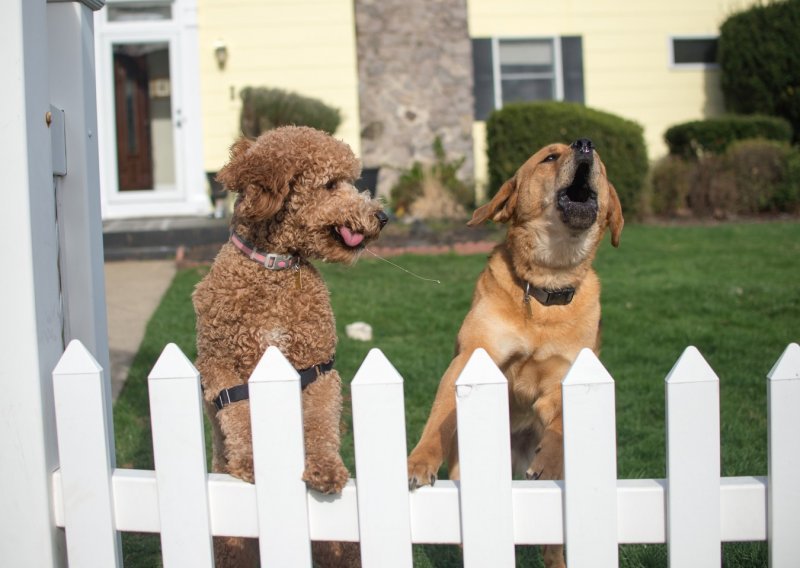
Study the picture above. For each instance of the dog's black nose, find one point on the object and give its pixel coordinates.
(383, 218)
(583, 146)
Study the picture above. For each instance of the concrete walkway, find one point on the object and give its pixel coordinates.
(133, 291)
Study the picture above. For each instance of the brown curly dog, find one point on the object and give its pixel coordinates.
(296, 201)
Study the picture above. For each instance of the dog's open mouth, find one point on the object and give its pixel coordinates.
(348, 237)
(578, 201)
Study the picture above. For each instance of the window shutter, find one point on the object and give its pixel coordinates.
(483, 77)
(572, 68)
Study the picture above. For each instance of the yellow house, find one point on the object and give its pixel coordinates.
(170, 72)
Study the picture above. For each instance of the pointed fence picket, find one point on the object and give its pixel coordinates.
(179, 453)
(591, 511)
(693, 462)
(590, 456)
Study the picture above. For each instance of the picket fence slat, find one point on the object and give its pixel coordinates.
(484, 463)
(179, 453)
(590, 464)
(783, 399)
(693, 462)
(451, 512)
(379, 432)
(276, 416)
(85, 435)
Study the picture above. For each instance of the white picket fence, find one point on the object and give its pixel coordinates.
(591, 511)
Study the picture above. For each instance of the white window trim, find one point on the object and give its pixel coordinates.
(688, 66)
(558, 68)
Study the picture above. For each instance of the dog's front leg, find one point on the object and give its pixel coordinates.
(322, 412)
(548, 456)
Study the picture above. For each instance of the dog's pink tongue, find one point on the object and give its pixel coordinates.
(350, 238)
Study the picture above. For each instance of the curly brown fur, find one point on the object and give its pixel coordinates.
(295, 196)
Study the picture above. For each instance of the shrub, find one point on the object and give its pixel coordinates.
(752, 176)
(518, 130)
(714, 135)
(759, 57)
(264, 108)
(670, 181)
(441, 174)
(765, 174)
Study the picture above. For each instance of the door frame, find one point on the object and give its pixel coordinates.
(189, 196)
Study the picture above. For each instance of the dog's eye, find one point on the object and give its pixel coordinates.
(332, 184)
(551, 158)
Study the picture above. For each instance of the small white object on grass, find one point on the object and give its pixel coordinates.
(359, 331)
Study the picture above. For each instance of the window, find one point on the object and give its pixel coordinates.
(138, 10)
(693, 51)
(525, 69)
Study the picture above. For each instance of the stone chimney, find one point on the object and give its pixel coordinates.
(415, 83)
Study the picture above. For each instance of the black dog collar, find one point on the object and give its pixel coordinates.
(242, 392)
(545, 297)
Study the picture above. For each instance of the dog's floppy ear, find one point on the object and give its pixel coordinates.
(500, 208)
(262, 185)
(614, 216)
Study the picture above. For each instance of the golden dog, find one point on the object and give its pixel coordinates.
(535, 306)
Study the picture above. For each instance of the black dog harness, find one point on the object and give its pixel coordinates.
(242, 392)
(270, 261)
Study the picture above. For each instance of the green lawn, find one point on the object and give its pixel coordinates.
(732, 290)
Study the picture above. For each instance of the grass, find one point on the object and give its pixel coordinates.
(731, 290)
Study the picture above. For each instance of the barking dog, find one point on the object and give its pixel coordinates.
(535, 306)
(296, 201)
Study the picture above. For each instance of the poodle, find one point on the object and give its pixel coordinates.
(295, 202)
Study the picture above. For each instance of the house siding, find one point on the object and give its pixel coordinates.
(625, 54)
(307, 47)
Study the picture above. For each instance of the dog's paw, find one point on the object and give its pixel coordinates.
(548, 462)
(420, 473)
(326, 474)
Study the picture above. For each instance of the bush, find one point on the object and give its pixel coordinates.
(759, 57)
(518, 130)
(752, 176)
(442, 173)
(670, 181)
(714, 135)
(264, 108)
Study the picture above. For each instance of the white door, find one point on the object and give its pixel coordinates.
(148, 160)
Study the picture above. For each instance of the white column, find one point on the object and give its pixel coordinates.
(31, 332)
(70, 34)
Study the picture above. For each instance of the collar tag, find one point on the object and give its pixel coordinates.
(270, 260)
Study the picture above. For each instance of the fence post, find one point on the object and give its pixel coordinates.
(484, 447)
(379, 433)
(693, 463)
(590, 464)
(180, 461)
(85, 434)
(783, 393)
(276, 416)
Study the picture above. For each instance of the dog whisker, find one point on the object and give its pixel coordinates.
(401, 268)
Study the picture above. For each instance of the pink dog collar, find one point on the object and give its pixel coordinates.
(270, 260)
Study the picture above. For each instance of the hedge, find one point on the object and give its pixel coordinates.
(750, 177)
(714, 135)
(759, 58)
(265, 108)
(518, 130)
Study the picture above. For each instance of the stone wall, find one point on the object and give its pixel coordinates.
(415, 83)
